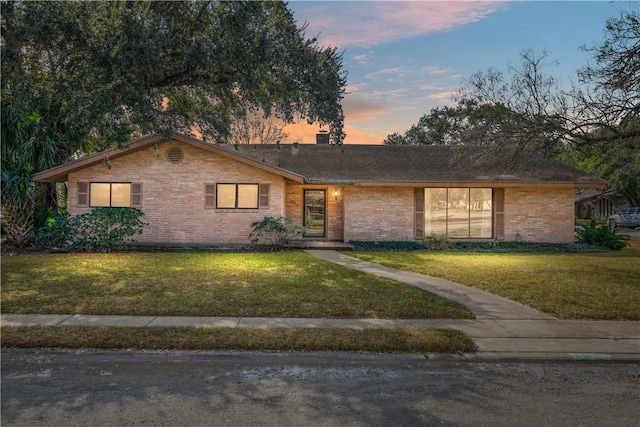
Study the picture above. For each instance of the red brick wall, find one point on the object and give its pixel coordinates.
(542, 214)
(173, 194)
(378, 213)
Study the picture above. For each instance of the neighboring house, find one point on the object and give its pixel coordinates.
(196, 193)
(594, 203)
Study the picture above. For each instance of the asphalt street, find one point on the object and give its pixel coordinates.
(163, 388)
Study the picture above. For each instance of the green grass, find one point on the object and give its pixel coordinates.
(595, 286)
(372, 340)
(285, 284)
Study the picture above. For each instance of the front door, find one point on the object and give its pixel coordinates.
(314, 212)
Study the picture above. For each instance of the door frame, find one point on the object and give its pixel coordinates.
(324, 213)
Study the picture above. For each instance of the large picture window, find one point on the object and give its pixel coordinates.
(458, 212)
(110, 194)
(237, 196)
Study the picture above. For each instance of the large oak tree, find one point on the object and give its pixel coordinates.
(78, 77)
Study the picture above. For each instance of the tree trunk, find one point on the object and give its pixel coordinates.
(17, 223)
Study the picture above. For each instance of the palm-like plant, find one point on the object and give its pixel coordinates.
(17, 206)
(28, 145)
(603, 236)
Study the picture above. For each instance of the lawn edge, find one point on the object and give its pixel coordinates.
(412, 340)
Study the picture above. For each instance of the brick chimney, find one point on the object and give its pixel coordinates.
(322, 137)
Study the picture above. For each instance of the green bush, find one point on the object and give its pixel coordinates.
(55, 233)
(404, 245)
(100, 230)
(275, 233)
(436, 243)
(477, 247)
(602, 236)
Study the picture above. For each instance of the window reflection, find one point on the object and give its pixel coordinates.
(435, 219)
(314, 212)
(480, 213)
(458, 212)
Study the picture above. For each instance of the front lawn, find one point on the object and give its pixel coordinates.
(286, 284)
(595, 286)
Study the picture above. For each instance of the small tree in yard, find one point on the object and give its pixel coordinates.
(275, 233)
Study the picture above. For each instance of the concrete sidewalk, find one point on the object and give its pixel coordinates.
(496, 338)
(503, 329)
(503, 326)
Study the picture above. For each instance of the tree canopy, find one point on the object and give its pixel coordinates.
(100, 72)
(595, 124)
(78, 77)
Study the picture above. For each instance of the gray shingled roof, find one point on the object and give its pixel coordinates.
(410, 163)
(366, 164)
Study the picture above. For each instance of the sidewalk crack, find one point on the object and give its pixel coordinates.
(150, 322)
(64, 320)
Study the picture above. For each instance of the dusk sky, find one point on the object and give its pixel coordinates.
(405, 58)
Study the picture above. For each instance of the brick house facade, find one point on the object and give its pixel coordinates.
(196, 193)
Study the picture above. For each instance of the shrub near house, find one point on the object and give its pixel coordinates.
(275, 233)
(102, 229)
(602, 236)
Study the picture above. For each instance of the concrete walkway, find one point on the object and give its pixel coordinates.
(507, 328)
(483, 305)
(503, 329)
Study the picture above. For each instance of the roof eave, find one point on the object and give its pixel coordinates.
(61, 173)
(331, 181)
(477, 184)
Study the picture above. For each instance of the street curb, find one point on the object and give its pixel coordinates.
(537, 357)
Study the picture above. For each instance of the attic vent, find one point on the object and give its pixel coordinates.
(174, 155)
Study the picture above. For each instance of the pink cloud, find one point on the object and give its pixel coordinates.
(385, 94)
(361, 136)
(436, 71)
(383, 22)
(362, 59)
(447, 96)
(395, 71)
(357, 108)
(352, 88)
